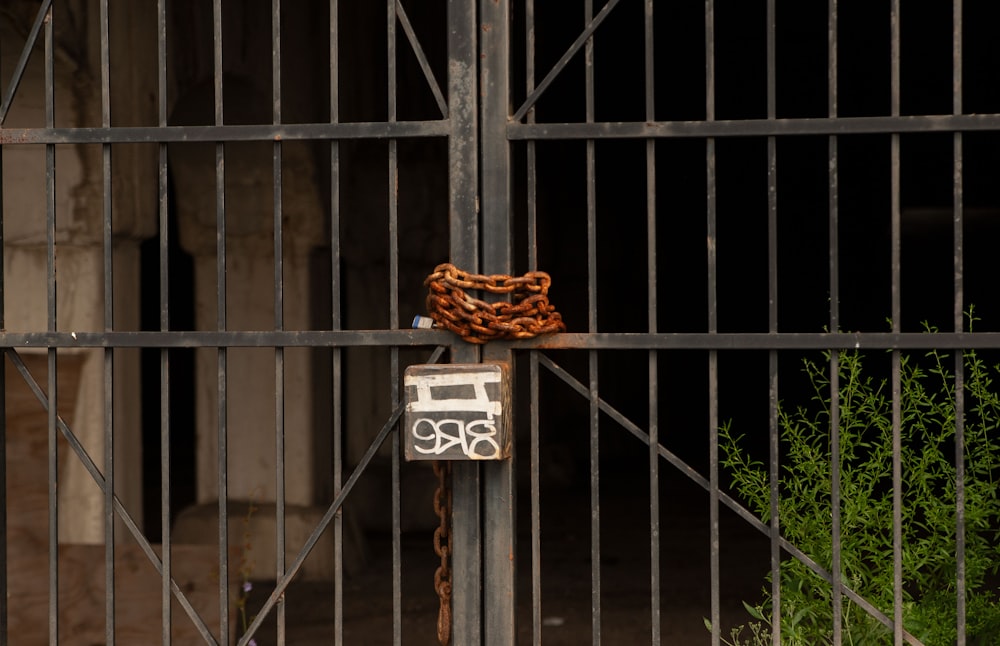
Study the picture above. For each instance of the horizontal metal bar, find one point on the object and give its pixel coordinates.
(568, 341)
(213, 133)
(764, 341)
(226, 338)
(754, 127)
(515, 131)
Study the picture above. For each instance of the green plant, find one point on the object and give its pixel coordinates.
(760, 630)
(927, 416)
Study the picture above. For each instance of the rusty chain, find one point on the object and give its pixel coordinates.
(442, 547)
(527, 315)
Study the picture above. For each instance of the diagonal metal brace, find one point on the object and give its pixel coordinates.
(123, 513)
(727, 500)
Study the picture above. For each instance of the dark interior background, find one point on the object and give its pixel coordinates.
(803, 202)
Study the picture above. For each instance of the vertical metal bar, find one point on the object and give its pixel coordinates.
(220, 277)
(279, 322)
(463, 145)
(534, 458)
(393, 191)
(109, 443)
(531, 169)
(494, 49)
(772, 315)
(536, 516)
(652, 325)
(959, 287)
(897, 469)
(335, 324)
(713, 357)
(164, 265)
(22, 63)
(834, 264)
(3, 426)
(499, 486)
(51, 294)
(464, 251)
(595, 482)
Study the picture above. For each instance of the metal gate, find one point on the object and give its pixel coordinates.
(615, 192)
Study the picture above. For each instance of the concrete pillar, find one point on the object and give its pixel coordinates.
(80, 267)
(251, 375)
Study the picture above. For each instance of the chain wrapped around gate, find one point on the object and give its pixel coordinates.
(442, 547)
(527, 315)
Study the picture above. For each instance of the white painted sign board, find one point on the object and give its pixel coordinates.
(457, 412)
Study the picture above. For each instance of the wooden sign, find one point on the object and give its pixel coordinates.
(457, 412)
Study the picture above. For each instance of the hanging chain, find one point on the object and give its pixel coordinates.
(442, 547)
(527, 315)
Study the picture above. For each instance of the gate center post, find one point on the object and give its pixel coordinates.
(499, 482)
(463, 219)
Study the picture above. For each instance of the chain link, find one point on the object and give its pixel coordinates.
(442, 547)
(527, 315)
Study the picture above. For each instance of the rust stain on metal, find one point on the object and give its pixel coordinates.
(14, 136)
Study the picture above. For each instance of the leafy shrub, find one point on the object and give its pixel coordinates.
(928, 510)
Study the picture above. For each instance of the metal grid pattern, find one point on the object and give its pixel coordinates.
(524, 128)
(457, 125)
(483, 120)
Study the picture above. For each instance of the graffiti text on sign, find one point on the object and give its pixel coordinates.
(449, 424)
(462, 435)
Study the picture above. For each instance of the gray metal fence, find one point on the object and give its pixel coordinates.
(611, 191)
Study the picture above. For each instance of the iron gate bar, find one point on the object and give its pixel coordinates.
(563, 341)
(224, 133)
(772, 327)
(652, 328)
(592, 366)
(760, 341)
(222, 403)
(834, 265)
(498, 477)
(166, 610)
(52, 321)
(100, 481)
(593, 22)
(706, 484)
(225, 338)
(418, 51)
(959, 320)
(3, 432)
(392, 192)
(515, 131)
(22, 62)
(896, 226)
(463, 241)
(756, 127)
(534, 467)
(336, 324)
(279, 321)
(109, 324)
(713, 326)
